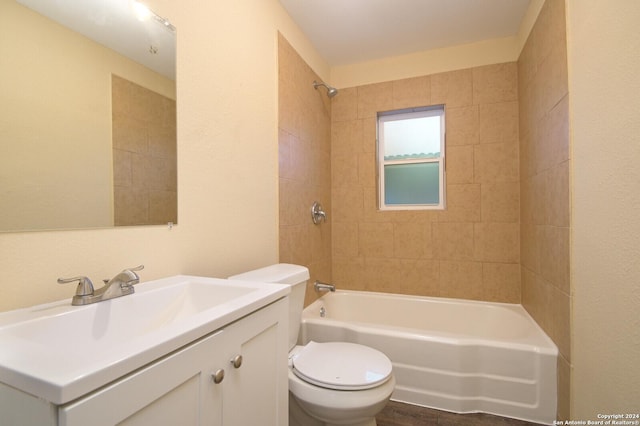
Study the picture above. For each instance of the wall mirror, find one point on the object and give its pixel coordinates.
(87, 115)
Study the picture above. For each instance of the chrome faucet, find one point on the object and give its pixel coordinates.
(120, 285)
(320, 286)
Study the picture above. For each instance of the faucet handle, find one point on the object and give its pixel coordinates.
(135, 278)
(317, 213)
(85, 286)
(137, 268)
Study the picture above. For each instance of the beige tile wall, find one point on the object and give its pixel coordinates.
(304, 166)
(505, 233)
(144, 155)
(544, 185)
(470, 250)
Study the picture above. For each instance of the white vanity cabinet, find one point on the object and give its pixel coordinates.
(179, 388)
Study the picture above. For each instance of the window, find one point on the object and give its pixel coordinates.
(411, 163)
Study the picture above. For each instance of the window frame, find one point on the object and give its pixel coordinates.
(404, 114)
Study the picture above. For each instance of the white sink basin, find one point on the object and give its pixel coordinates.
(60, 352)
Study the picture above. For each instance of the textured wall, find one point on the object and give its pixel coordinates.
(471, 249)
(604, 69)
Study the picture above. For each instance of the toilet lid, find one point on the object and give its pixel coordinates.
(342, 366)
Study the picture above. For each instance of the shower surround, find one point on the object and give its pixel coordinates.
(304, 151)
(471, 250)
(505, 234)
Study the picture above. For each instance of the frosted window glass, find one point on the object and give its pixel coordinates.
(411, 150)
(417, 183)
(412, 138)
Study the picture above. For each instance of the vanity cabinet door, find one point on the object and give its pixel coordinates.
(256, 392)
(175, 390)
(179, 389)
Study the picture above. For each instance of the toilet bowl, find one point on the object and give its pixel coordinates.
(338, 384)
(332, 383)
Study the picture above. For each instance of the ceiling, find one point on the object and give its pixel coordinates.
(113, 23)
(351, 31)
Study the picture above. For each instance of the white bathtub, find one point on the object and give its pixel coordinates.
(455, 355)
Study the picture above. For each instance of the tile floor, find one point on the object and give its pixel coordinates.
(399, 414)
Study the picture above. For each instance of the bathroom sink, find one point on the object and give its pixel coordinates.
(59, 352)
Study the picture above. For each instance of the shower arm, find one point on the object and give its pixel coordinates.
(331, 91)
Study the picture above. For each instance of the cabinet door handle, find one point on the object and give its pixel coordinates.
(236, 361)
(218, 376)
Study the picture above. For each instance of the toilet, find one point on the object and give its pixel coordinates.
(330, 383)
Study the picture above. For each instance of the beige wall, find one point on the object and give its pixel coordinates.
(304, 166)
(544, 171)
(471, 249)
(604, 70)
(227, 164)
(428, 62)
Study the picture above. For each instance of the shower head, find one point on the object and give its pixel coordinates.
(331, 91)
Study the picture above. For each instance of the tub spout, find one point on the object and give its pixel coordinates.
(320, 286)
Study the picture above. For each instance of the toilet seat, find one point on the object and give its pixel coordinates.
(341, 366)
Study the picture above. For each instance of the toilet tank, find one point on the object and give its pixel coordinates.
(284, 273)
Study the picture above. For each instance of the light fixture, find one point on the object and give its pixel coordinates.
(164, 22)
(141, 11)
